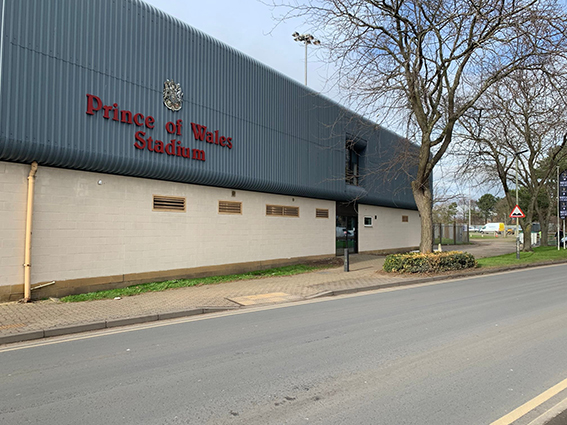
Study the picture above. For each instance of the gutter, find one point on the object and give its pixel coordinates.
(29, 221)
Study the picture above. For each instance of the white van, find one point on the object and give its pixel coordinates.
(492, 227)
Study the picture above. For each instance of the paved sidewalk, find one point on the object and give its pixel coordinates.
(20, 322)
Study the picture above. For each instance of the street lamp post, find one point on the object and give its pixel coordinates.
(306, 39)
(517, 154)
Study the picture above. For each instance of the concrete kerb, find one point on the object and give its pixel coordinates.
(428, 279)
(27, 336)
(107, 324)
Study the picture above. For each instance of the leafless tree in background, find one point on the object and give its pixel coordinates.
(427, 62)
(523, 116)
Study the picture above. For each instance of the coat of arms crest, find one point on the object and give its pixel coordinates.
(172, 95)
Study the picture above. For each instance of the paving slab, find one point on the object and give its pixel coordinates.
(19, 322)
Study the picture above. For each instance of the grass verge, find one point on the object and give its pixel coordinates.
(183, 283)
(539, 254)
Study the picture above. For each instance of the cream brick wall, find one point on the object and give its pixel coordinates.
(387, 231)
(13, 194)
(83, 229)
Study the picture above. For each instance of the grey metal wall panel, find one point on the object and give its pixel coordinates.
(286, 139)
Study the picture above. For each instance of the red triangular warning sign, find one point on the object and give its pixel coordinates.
(517, 213)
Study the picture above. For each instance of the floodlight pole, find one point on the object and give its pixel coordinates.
(305, 39)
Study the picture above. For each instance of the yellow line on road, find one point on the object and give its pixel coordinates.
(531, 405)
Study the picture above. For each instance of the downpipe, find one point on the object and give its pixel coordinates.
(29, 221)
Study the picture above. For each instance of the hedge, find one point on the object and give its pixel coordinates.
(416, 262)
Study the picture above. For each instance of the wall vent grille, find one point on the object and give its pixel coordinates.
(321, 213)
(282, 211)
(230, 207)
(169, 203)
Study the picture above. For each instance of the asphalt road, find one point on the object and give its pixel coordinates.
(460, 352)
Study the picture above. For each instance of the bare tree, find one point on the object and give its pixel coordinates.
(523, 119)
(429, 61)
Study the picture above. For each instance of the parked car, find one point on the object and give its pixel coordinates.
(341, 232)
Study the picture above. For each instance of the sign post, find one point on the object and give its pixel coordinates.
(517, 213)
(562, 202)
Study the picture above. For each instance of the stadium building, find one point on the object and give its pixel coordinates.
(134, 148)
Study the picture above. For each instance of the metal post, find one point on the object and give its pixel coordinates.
(517, 219)
(469, 212)
(557, 233)
(346, 249)
(454, 233)
(306, 62)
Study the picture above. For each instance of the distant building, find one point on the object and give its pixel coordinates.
(163, 153)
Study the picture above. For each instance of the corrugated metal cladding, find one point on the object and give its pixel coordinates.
(285, 138)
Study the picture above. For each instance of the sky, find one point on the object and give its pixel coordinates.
(248, 26)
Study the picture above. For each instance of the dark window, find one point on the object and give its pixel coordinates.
(352, 166)
(354, 150)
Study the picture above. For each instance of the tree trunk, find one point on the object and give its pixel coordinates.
(544, 215)
(424, 201)
(527, 236)
(544, 225)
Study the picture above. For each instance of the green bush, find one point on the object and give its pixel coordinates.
(416, 262)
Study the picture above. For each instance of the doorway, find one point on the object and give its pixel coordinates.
(346, 228)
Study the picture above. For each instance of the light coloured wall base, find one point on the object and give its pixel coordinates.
(80, 286)
(93, 230)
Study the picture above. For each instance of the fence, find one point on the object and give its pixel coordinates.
(450, 234)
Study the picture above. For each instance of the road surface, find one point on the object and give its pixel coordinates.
(467, 351)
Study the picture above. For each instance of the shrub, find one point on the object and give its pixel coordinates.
(416, 262)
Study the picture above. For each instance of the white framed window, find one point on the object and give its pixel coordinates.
(367, 221)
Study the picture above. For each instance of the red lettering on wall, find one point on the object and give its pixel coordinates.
(198, 154)
(170, 148)
(106, 109)
(170, 127)
(186, 153)
(173, 148)
(140, 141)
(126, 117)
(139, 117)
(91, 109)
(115, 114)
(158, 146)
(198, 131)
